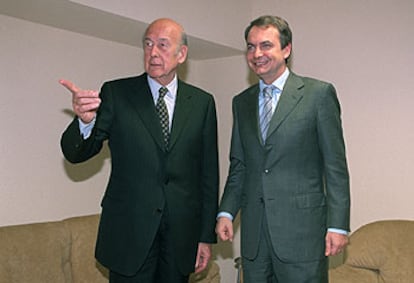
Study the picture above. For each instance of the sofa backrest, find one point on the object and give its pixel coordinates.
(35, 253)
(85, 268)
(61, 252)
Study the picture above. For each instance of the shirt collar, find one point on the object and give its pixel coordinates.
(155, 86)
(279, 82)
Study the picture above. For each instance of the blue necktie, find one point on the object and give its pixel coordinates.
(266, 111)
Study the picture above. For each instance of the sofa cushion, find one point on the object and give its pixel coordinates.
(210, 275)
(347, 274)
(85, 268)
(386, 246)
(35, 253)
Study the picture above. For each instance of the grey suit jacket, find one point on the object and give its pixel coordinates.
(297, 178)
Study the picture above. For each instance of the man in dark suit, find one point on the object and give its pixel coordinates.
(288, 176)
(159, 208)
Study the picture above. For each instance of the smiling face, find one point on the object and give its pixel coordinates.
(163, 50)
(264, 54)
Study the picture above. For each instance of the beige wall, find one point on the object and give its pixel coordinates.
(36, 183)
(200, 18)
(363, 47)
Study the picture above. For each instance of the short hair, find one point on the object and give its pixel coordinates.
(285, 34)
(184, 40)
(183, 35)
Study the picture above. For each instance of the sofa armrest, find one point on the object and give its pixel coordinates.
(380, 251)
(385, 246)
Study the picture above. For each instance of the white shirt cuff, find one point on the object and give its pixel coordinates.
(339, 231)
(225, 214)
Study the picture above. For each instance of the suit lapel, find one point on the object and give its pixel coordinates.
(143, 102)
(290, 97)
(183, 106)
(250, 111)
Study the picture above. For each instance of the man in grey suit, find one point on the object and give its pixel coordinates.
(288, 177)
(159, 208)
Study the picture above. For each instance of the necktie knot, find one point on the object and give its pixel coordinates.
(267, 91)
(266, 109)
(162, 91)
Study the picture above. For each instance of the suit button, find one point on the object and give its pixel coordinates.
(266, 171)
(159, 210)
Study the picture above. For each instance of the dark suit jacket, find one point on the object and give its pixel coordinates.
(298, 177)
(145, 178)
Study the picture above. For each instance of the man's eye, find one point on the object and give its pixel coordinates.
(250, 48)
(148, 43)
(163, 45)
(266, 46)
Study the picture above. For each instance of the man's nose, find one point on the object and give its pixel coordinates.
(154, 51)
(258, 52)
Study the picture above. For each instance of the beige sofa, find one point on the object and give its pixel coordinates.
(61, 251)
(379, 252)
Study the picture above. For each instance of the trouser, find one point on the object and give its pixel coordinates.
(267, 267)
(160, 265)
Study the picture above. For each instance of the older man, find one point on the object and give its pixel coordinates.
(159, 208)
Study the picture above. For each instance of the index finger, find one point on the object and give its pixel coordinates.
(69, 86)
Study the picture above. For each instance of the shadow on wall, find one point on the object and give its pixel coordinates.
(226, 249)
(82, 171)
(182, 71)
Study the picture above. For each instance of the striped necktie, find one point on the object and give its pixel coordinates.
(266, 110)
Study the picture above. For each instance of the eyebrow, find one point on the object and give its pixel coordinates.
(158, 39)
(260, 43)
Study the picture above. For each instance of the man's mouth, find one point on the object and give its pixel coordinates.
(154, 64)
(260, 63)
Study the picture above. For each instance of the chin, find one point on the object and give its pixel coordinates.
(154, 75)
(260, 72)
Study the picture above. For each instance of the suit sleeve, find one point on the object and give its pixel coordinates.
(231, 200)
(75, 148)
(331, 143)
(210, 176)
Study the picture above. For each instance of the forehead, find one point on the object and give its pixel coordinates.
(259, 34)
(162, 30)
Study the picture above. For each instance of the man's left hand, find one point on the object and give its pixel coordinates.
(203, 256)
(335, 243)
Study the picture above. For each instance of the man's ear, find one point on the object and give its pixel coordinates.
(287, 50)
(182, 53)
